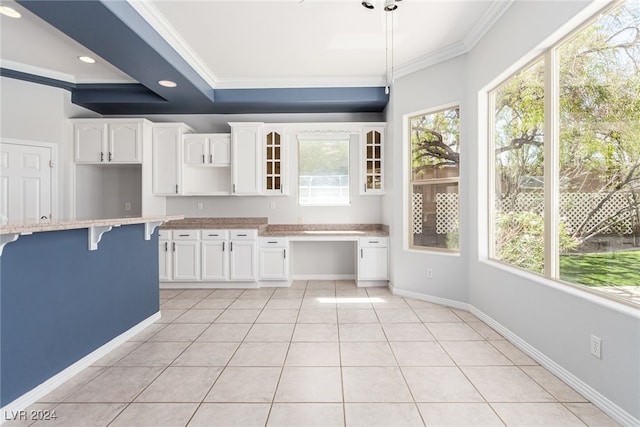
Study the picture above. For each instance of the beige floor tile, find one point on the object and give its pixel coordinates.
(153, 354)
(514, 354)
(485, 331)
(118, 353)
(440, 384)
(415, 303)
(553, 384)
(170, 293)
(199, 316)
(319, 303)
(309, 384)
(148, 332)
(180, 332)
(374, 384)
(306, 414)
(180, 303)
(155, 414)
(284, 304)
(366, 354)
(474, 353)
(116, 384)
(313, 354)
(459, 415)
(316, 285)
(80, 414)
(321, 315)
(225, 293)
(379, 291)
(429, 315)
(181, 384)
(319, 293)
(257, 293)
(196, 293)
(287, 293)
(214, 303)
(225, 332)
(315, 332)
(366, 315)
(72, 385)
(407, 332)
(536, 414)
(272, 332)
(384, 302)
(506, 384)
(202, 353)
(248, 303)
(298, 284)
(238, 316)
(260, 354)
(382, 415)
(465, 315)
(361, 332)
(353, 292)
(278, 316)
(425, 353)
(168, 315)
(453, 332)
(399, 315)
(231, 415)
(245, 384)
(591, 415)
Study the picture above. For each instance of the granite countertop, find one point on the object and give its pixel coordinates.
(72, 224)
(278, 230)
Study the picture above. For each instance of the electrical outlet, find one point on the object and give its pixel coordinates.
(200, 206)
(596, 346)
(429, 273)
(127, 206)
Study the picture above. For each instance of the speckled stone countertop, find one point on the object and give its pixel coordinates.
(278, 230)
(72, 224)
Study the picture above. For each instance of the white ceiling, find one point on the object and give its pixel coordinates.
(285, 43)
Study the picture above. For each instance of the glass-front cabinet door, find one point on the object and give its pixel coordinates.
(274, 161)
(372, 164)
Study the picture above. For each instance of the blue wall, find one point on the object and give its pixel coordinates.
(59, 301)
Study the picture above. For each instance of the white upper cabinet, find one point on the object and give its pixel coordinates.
(207, 149)
(108, 141)
(372, 160)
(274, 161)
(167, 158)
(246, 157)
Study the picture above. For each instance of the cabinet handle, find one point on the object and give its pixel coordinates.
(176, 188)
(110, 156)
(166, 246)
(234, 188)
(242, 235)
(365, 187)
(183, 235)
(281, 188)
(272, 242)
(203, 159)
(101, 156)
(174, 246)
(361, 253)
(373, 241)
(230, 246)
(213, 235)
(223, 246)
(284, 251)
(210, 158)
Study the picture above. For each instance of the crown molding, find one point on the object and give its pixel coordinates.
(484, 24)
(37, 71)
(156, 19)
(306, 82)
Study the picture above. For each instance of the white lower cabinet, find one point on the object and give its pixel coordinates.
(273, 258)
(373, 259)
(207, 255)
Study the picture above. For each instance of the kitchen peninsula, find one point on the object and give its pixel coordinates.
(70, 291)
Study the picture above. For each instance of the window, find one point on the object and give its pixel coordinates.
(435, 176)
(567, 169)
(323, 171)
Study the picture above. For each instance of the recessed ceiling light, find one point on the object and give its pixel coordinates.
(10, 12)
(87, 59)
(167, 83)
(367, 4)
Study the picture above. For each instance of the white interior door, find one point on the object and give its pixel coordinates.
(25, 183)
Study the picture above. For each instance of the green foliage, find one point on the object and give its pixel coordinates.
(608, 269)
(435, 142)
(323, 157)
(519, 240)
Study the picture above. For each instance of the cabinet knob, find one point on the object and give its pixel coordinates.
(223, 246)
(110, 156)
(203, 159)
(101, 156)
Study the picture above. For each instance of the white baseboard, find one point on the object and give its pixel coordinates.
(323, 277)
(209, 285)
(603, 403)
(32, 396)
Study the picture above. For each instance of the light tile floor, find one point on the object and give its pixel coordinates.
(297, 357)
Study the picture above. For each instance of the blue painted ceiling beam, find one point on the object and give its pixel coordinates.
(116, 32)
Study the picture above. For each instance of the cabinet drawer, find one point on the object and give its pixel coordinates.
(185, 234)
(164, 234)
(214, 234)
(274, 242)
(243, 234)
(373, 241)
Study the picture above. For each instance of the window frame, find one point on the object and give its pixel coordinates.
(433, 181)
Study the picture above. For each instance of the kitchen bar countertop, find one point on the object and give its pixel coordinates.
(71, 224)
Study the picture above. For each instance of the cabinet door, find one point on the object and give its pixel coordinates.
(220, 150)
(164, 253)
(242, 260)
(373, 263)
(273, 264)
(215, 260)
(372, 162)
(125, 143)
(196, 150)
(166, 161)
(274, 161)
(90, 140)
(186, 260)
(247, 159)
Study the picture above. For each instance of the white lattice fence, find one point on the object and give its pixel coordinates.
(447, 212)
(613, 215)
(416, 212)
